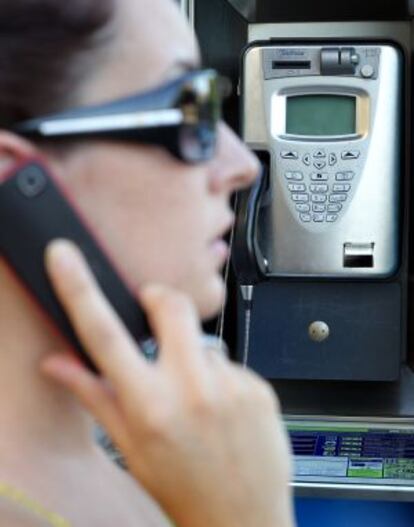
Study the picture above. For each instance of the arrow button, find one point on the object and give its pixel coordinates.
(332, 160)
(319, 165)
(288, 154)
(307, 159)
(350, 154)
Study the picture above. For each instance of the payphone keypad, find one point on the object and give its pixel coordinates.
(321, 183)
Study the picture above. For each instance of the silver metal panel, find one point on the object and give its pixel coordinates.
(371, 212)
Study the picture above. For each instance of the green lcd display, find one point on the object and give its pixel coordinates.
(317, 115)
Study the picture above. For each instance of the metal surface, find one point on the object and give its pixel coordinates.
(317, 249)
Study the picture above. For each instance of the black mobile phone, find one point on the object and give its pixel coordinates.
(35, 209)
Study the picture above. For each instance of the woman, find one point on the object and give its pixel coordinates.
(200, 436)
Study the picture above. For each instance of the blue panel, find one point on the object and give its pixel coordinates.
(365, 322)
(344, 513)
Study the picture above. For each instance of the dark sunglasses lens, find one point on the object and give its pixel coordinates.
(198, 142)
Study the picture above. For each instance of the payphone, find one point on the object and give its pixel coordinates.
(330, 117)
(326, 237)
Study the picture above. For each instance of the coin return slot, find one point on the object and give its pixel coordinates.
(359, 255)
(291, 65)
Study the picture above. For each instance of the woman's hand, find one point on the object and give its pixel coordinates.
(202, 435)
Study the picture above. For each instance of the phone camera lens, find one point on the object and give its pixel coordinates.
(31, 181)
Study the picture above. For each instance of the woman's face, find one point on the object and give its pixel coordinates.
(162, 220)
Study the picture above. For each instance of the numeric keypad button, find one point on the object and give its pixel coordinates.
(345, 176)
(303, 207)
(319, 188)
(318, 218)
(319, 198)
(300, 198)
(337, 198)
(297, 187)
(331, 218)
(318, 207)
(294, 176)
(319, 176)
(305, 218)
(334, 207)
(342, 187)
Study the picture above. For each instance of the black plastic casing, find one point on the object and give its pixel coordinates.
(34, 210)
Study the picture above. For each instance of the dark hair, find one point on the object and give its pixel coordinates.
(42, 46)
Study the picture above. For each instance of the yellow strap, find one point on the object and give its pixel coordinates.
(19, 497)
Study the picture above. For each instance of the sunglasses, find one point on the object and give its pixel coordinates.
(181, 116)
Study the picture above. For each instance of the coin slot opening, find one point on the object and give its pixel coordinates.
(359, 255)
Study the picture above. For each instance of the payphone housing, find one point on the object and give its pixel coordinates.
(327, 403)
(331, 119)
(327, 237)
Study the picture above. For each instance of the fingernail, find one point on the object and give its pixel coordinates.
(61, 254)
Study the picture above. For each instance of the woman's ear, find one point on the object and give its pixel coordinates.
(12, 149)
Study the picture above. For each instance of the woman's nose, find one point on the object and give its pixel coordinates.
(234, 166)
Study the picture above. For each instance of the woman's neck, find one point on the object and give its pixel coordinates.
(34, 412)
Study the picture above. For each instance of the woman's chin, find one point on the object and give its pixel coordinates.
(211, 298)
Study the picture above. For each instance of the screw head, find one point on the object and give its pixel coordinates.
(319, 331)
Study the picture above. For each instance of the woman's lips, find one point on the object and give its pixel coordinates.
(220, 249)
(218, 246)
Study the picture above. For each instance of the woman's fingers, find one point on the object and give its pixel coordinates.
(176, 327)
(96, 323)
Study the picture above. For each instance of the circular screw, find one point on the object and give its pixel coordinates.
(367, 71)
(319, 331)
